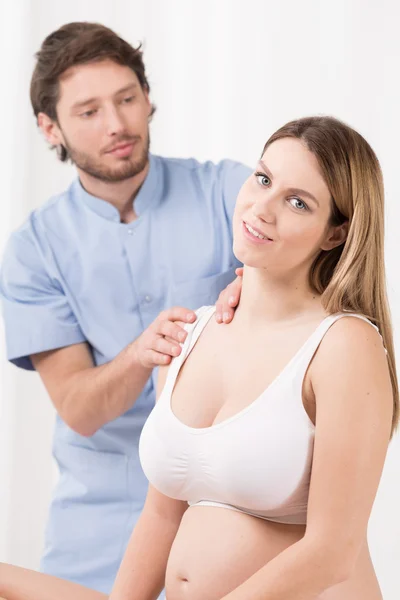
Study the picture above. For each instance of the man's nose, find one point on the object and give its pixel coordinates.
(114, 122)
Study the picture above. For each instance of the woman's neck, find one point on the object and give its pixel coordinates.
(267, 299)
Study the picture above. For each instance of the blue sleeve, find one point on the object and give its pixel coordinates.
(37, 315)
(232, 177)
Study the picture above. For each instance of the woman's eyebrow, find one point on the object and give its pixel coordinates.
(301, 192)
(264, 166)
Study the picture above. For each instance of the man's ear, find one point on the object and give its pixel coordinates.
(50, 129)
(148, 102)
(336, 236)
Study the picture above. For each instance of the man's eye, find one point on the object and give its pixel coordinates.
(128, 99)
(263, 179)
(88, 113)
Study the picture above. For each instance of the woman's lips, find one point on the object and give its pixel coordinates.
(253, 238)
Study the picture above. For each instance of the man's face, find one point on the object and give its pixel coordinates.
(103, 115)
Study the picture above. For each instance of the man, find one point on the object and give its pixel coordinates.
(85, 279)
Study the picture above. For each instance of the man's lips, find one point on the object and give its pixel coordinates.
(122, 149)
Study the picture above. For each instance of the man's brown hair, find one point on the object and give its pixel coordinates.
(76, 44)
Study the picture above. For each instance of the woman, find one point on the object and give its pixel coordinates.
(276, 430)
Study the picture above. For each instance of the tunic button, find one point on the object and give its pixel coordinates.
(130, 231)
(147, 298)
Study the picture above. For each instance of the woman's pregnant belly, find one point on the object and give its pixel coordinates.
(216, 549)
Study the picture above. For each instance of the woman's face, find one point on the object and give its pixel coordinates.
(281, 219)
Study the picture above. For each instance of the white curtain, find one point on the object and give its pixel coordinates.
(224, 75)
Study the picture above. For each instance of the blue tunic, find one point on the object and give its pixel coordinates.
(74, 273)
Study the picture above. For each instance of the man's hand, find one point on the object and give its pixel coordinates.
(160, 342)
(229, 299)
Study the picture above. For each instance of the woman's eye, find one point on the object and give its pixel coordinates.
(129, 99)
(263, 179)
(299, 204)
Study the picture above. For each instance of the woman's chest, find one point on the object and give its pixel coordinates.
(222, 377)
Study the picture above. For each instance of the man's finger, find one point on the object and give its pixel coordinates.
(230, 297)
(172, 331)
(227, 315)
(161, 345)
(158, 359)
(234, 294)
(218, 312)
(178, 313)
(235, 289)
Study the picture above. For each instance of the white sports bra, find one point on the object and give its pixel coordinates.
(257, 461)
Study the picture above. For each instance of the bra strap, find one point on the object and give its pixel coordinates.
(194, 330)
(318, 335)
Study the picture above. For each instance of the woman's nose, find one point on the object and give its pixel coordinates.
(265, 208)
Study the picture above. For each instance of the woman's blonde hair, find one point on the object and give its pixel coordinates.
(350, 277)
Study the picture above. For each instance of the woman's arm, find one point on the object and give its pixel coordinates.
(351, 384)
(22, 584)
(142, 572)
(141, 575)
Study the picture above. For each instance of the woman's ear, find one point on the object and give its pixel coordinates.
(336, 237)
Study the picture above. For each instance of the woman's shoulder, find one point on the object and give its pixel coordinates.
(352, 343)
(352, 330)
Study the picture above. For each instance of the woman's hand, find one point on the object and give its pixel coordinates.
(229, 299)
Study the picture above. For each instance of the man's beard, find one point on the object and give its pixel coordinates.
(128, 168)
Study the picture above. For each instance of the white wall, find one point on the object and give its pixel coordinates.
(224, 75)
